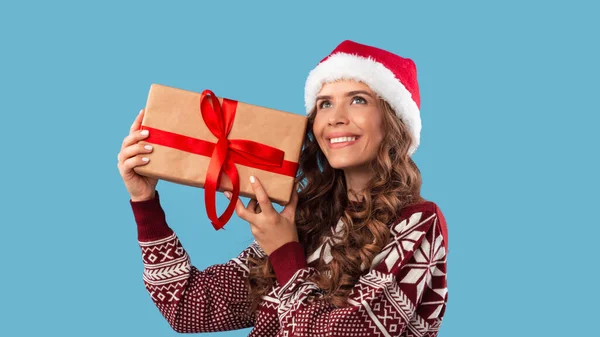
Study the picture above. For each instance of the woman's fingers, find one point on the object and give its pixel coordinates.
(134, 150)
(134, 137)
(253, 206)
(261, 204)
(261, 195)
(137, 122)
(130, 163)
(240, 209)
(290, 209)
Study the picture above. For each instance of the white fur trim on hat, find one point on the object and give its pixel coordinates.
(374, 74)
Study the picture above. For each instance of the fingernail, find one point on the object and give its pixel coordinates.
(145, 159)
(144, 132)
(228, 195)
(140, 111)
(148, 147)
(252, 179)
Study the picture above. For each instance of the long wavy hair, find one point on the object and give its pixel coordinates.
(395, 184)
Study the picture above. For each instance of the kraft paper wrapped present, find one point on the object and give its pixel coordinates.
(216, 143)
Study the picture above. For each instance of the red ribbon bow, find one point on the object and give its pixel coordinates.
(219, 120)
(224, 154)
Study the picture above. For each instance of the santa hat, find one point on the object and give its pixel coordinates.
(392, 77)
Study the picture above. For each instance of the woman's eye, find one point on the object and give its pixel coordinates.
(324, 105)
(359, 100)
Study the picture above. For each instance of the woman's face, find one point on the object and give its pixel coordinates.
(348, 124)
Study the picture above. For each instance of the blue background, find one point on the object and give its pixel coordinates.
(509, 147)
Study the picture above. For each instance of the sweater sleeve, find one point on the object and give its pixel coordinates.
(191, 300)
(404, 293)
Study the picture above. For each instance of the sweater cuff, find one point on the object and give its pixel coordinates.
(150, 219)
(287, 260)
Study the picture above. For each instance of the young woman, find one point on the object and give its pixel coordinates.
(357, 251)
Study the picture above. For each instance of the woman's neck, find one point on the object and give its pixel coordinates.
(357, 180)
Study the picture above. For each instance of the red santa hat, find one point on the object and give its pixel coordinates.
(392, 77)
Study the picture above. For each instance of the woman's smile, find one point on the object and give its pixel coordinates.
(337, 143)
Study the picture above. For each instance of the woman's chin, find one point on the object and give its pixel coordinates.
(342, 164)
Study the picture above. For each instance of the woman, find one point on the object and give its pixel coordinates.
(356, 252)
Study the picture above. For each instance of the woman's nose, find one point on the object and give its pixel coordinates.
(339, 116)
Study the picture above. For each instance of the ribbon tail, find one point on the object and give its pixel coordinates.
(215, 166)
(221, 221)
(232, 173)
(210, 187)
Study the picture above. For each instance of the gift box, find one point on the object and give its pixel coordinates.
(216, 143)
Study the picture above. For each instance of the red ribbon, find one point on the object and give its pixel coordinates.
(224, 154)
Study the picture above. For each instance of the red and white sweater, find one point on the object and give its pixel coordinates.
(404, 293)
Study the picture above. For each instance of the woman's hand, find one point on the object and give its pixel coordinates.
(270, 229)
(139, 187)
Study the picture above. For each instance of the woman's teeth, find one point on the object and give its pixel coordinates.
(341, 139)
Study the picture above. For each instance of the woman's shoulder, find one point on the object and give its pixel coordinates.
(425, 211)
(419, 206)
(424, 208)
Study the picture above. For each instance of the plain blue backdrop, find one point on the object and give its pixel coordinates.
(509, 149)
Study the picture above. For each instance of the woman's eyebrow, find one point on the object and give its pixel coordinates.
(350, 93)
(356, 92)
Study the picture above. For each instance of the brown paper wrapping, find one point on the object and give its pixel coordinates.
(178, 111)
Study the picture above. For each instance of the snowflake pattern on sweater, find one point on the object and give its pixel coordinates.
(404, 293)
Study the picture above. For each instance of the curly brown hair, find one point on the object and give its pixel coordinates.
(396, 184)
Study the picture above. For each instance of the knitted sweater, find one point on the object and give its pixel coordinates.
(404, 293)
